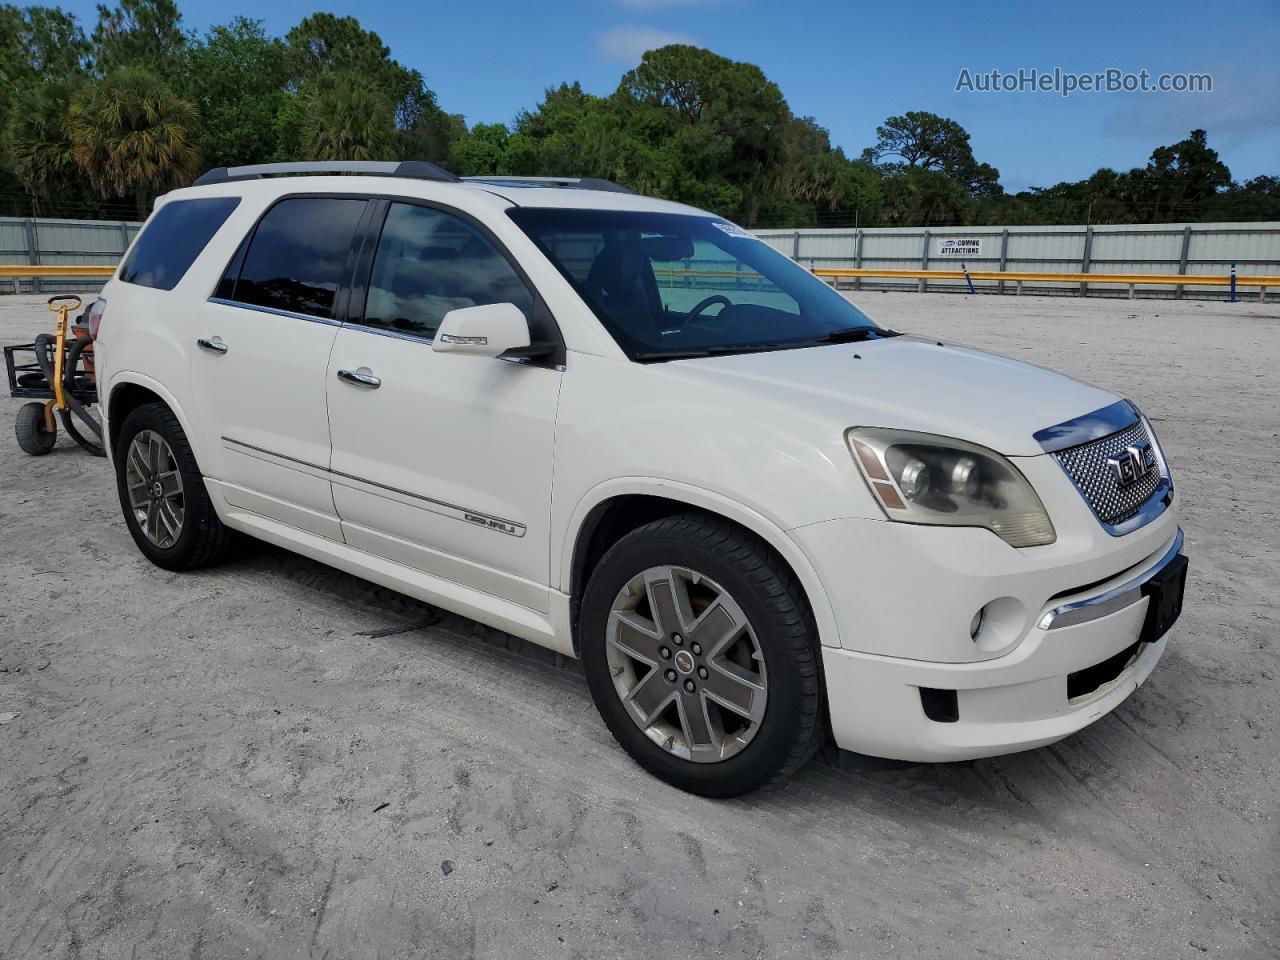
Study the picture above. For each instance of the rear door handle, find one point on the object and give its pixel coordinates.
(360, 379)
(212, 344)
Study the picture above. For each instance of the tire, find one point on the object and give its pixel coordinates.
(200, 539)
(713, 580)
(33, 438)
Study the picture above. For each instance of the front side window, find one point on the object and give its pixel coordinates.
(671, 285)
(298, 256)
(429, 262)
(176, 235)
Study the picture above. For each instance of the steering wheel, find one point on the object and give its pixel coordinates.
(695, 313)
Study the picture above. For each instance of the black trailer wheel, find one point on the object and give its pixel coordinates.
(33, 438)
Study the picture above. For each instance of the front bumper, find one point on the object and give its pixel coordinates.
(904, 627)
(876, 707)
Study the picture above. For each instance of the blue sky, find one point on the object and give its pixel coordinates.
(852, 64)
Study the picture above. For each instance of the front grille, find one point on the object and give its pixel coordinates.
(1086, 465)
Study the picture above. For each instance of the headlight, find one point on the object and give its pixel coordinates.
(920, 478)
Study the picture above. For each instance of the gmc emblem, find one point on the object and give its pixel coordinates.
(1132, 465)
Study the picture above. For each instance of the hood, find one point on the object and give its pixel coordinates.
(910, 383)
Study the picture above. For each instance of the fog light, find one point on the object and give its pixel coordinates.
(998, 625)
(976, 623)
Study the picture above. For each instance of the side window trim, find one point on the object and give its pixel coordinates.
(364, 244)
(373, 234)
(236, 263)
(275, 312)
(231, 273)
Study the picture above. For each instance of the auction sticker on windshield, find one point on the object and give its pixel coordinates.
(733, 230)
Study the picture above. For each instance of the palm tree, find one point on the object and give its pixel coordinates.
(347, 117)
(40, 149)
(131, 134)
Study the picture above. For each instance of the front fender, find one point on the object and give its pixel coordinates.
(712, 502)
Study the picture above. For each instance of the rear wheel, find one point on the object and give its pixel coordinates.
(699, 650)
(162, 492)
(33, 438)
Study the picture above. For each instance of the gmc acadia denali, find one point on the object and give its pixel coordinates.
(630, 431)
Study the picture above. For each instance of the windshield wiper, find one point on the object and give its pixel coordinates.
(716, 350)
(853, 335)
(847, 335)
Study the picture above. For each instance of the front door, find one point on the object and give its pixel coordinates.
(442, 461)
(258, 367)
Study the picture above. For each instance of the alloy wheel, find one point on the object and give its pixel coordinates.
(686, 664)
(155, 488)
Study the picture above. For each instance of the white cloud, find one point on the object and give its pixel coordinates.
(663, 4)
(627, 44)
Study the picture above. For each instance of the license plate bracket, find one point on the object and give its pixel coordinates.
(1164, 593)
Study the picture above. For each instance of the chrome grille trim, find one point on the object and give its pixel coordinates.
(1119, 510)
(1087, 466)
(1091, 426)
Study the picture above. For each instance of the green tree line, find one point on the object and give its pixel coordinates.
(99, 123)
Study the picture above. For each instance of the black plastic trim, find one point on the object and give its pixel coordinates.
(554, 183)
(940, 706)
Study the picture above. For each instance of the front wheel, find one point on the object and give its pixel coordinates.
(699, 649)
(162, 492)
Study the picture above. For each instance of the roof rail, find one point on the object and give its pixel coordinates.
(413, 169)
(571, 183)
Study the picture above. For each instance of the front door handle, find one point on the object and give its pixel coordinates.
(212, 344)
(360, 379)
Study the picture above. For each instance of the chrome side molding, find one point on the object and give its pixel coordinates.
(511, 528)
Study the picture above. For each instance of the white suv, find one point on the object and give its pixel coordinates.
(629, 431)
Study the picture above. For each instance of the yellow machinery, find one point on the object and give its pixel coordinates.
(58, 377)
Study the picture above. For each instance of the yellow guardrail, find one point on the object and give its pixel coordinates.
(1017, 278)
(1171, 279)
(20, 271)
(1132, 280)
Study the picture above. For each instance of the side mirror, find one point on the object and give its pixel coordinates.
(486, 331)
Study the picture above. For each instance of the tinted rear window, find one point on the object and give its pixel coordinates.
(173, 239)
(297, 258)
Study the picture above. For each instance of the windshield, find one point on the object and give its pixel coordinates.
(670, 285)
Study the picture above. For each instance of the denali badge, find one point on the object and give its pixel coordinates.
(493, 523)
(1132, 465)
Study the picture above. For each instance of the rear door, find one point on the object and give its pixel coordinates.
(442, 461)
(258, 366)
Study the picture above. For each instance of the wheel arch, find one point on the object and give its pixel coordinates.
(616, 508)
(130, 390)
